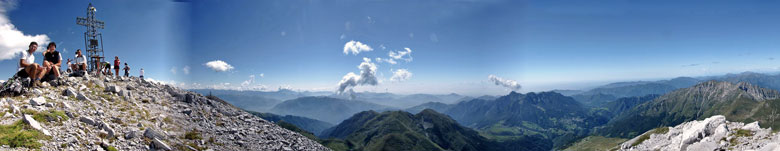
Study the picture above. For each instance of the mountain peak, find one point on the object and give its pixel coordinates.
(723, 88)
(136, 114)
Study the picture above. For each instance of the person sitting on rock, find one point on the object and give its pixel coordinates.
(80, 67)
(52, 61)
(27, 66)
(69, 65)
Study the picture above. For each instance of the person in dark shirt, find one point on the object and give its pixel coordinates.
(127, 70)
(52, 61)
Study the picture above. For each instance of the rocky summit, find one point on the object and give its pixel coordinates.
(713, 133)
(103, 113)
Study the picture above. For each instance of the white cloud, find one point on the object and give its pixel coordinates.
(401, 55)
(401, 75)
(388, 60)
(218, 65)
(249, 81)
(510, 84)
(283, 33)
(355, 47)
(262, 75)
(342, 36)
(434, 38)
(13, 41)
(367, 76)
(173, 70)
(186, 70)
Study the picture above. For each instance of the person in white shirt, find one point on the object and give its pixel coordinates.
(81, 62)
(27, 65)
(142, 73)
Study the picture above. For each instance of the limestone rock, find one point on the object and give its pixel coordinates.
(37, 101)
(35, 125)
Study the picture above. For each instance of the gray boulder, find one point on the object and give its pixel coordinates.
(37, 101)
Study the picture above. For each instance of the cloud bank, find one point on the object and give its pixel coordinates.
(510, 84)
(12, 40)
(218, 65)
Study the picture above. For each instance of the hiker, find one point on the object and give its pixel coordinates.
(116, 65)
(69, 69)
(106, 68)
(27, 65)
(127, 70)
(142, 73)
(52, 61)
(80, 67)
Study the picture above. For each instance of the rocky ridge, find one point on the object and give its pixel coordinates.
(104, 113)
(713, 133)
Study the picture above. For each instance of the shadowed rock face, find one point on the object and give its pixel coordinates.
(134, 114)
(713, 133)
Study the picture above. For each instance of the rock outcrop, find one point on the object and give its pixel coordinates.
(713, 133)
(103, 113)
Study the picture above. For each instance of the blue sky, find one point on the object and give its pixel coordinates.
(144, 34)
(455, 45)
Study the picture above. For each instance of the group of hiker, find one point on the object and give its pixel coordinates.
(49, 69)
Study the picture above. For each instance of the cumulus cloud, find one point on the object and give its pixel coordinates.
(218, 65)
(401, 75)
(186, 70)
(249, 81)
(12, 40)
(367, 76)
(355, 47)
(510, 84)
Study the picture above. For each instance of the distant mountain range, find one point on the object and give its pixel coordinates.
(331, 110)
(307, 124)
(427, 130)
(553, 120)
(743, 102)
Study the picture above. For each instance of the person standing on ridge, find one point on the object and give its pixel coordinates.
(116, 65)
(142, 73)
(127, 70)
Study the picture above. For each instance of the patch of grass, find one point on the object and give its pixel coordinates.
(19, 134)
(596, 143)
(644, 137)
(193, 135)
(111, 148)
(50, 115)
(168, 120)
(743, 133)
